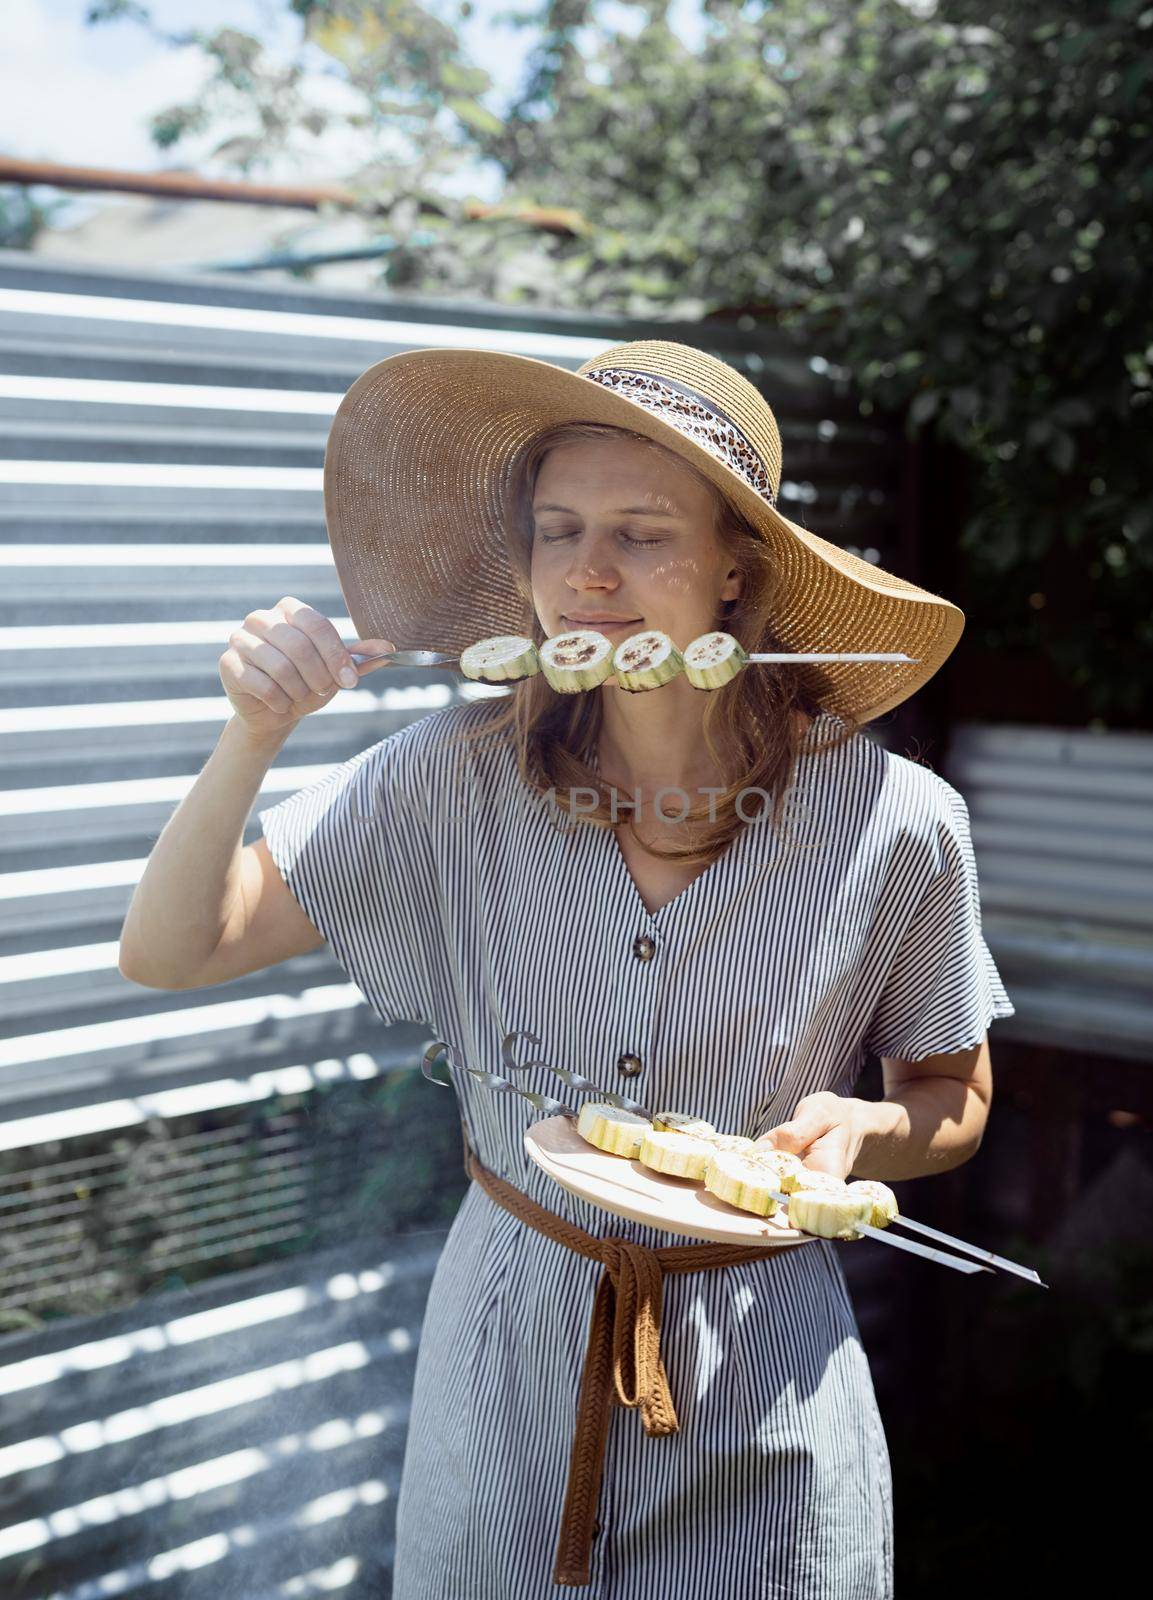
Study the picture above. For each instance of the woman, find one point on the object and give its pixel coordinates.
(733, 950)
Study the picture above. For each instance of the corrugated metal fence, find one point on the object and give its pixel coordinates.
(1062, 823)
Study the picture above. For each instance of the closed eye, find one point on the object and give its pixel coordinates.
(553, 538)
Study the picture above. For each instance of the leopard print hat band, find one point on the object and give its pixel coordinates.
(693, 416)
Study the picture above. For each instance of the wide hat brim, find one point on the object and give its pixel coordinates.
(417, 479)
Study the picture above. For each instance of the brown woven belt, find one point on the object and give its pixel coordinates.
(622, 1357)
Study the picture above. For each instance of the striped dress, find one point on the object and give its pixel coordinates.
(453, 897)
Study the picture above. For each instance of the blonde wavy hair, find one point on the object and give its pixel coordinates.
(751, 729)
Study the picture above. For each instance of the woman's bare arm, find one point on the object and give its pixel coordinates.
(206, 908)
(192, 893)
(932, 1117)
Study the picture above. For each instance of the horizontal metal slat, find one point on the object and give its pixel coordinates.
(155, 595)
(155, 1049)
(211, 348)
(141, 527)
(45, 1199)
(105, 500)
(1077, 898)
(84, 358)
(1084, 781)
(1018, 747)
(56, 742)
(1101, 958)
(1025, 858)
(104, 442)
(1054, 820)
(1080, 954)
(1087, 1022)
(54, 1127)
(1056, 886)
(54, 678)
(19, 269)
(248, 411)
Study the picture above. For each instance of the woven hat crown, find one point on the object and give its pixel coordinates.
(698, 377)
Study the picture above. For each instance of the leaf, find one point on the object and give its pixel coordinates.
(1063, 451)
(475, 116)
(239, 150)
(465, 79)
(1040, 429)
(350, 43)
(966, 401)
(925, 406)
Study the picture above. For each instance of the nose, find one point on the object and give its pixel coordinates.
(592, 565)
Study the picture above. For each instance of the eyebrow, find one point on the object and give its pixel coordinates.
(620, 511)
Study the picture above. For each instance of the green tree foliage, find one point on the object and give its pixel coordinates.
(953, 200)
(388, 72)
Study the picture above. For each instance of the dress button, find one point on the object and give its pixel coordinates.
(644, 948)
(628, 1066)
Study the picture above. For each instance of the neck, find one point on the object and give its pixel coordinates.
(656, 740)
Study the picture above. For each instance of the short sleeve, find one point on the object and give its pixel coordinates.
(353, 848)
(942, 989)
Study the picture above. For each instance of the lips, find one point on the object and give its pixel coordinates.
(624, 622)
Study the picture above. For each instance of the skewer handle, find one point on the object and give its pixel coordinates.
(573, 1079)
(544, 1103)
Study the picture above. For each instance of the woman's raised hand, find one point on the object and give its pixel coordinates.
(285, 662)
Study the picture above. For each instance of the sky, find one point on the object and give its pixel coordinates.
(79, 94)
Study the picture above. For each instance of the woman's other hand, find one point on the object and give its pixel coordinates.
(286, 662)
(825, 1130)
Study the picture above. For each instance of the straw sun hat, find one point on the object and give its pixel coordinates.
(417, 479)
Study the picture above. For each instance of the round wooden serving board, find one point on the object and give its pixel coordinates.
(630, 1189)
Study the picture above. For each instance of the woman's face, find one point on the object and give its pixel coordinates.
(622, 533)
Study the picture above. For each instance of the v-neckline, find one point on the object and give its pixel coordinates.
(621, 865)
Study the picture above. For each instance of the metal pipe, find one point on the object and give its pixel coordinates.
(284, 259)
(191, 186)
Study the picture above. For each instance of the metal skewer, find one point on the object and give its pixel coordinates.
(987, 1261)
(958, 1263)
(442, 658)
(970, 1249)
(841, 655)
(407, 658)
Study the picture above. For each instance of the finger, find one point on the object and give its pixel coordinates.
(239, 676)
(303, 642)
(249, 679)
(334, 655)
(825, 1161)
(272, 661)
(794, 1136)
(371, 647)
